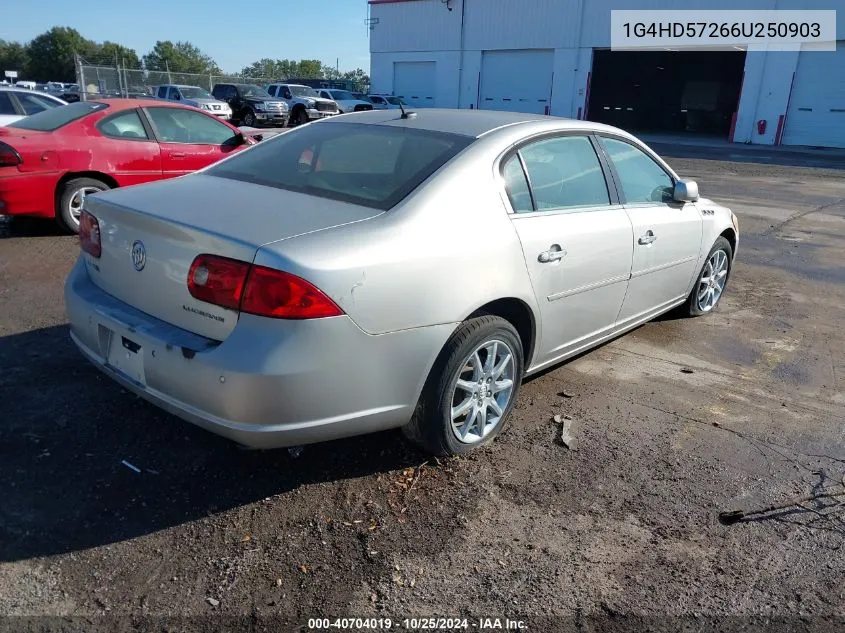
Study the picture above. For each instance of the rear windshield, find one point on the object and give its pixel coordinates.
(370, 165)
(54, 118)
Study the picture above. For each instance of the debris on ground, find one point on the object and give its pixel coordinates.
(566, 394)
(687, 370)
(213, 602)
(295, 451)
(566, 424)
(735, 516)
(130, 466)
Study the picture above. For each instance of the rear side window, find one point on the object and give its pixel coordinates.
(565, 173)
(517, 186)
(54, 118)
(6, 106)
(325, 160)
(125, 125)
(33, 103)
(162, 92)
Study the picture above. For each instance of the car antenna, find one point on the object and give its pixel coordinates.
(405, 115)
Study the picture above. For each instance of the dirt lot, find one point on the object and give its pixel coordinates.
(674, 422)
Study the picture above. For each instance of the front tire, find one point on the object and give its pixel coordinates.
(301, 117)
(471, 390)
(70, 200)
(248, 119)
(712, 280)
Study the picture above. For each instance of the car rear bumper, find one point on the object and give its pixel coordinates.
(28, 194)
(271, 383)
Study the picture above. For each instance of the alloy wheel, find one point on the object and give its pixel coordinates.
(483, 389)
(712, 281)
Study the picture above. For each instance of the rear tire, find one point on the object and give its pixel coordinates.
(70, 199)
(712, 281)
(468, 398)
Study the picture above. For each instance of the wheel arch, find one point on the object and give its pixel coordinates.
(520, 315)
(730, 235)
(96, 175)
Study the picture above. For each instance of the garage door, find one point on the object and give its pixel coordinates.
(516, 80)
(816, 114)
(415, 82)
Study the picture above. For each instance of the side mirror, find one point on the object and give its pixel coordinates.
(686, 191)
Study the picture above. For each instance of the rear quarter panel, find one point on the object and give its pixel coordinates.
(448, 250)
(82, 147)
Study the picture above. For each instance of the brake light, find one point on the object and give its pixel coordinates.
(89, 234)
(217, 280)
(277, 294)
(9, 156)
(258, 290)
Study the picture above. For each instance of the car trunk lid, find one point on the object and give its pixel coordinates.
(151, 234)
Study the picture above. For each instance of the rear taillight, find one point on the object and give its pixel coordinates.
(218, 280)
(259, 290)
(9, 156)
(89, 234)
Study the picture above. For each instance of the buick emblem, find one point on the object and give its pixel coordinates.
(139, 255)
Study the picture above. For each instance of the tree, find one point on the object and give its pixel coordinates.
(13, 56)
(330, 72)
(310, 69)
(109, 51)
(268, 69)
(51, 54)
(358, 76)
(180, 57)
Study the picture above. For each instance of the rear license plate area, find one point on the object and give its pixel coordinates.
(126, 357)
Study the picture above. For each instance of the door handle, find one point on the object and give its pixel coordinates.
(648, 238)
(177, 154)
(554, 254)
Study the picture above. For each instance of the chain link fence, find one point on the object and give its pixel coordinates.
(118, 81)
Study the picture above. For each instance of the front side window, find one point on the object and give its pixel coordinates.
(325, 161)
(303, 91)
(54, 118)
(162, 92)
(126, 125)
(565, 173)
(192, 92)
(175, 125)
(641, 178)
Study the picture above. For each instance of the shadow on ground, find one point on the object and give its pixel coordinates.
(61, 447)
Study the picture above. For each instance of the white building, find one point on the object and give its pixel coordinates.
(553, 56)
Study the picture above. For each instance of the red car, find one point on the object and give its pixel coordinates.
(49, 161)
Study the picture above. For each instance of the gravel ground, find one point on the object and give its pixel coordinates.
(674, 422)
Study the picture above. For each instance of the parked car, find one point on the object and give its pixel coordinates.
(342, 297)
(27, 85)
(387, 102)
(51, 160)
(303, 101)
(196, 97)
(345, 100)
(251, 105)
(16, 103)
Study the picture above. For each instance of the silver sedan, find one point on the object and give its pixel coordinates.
(382, 270)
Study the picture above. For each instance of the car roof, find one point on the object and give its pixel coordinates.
(118, 103)
(465, 122)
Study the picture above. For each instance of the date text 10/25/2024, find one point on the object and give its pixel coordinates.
(418, 624)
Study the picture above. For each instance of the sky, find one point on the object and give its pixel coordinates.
(234, 33)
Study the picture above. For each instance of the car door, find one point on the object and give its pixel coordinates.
(189, 139)
(576, 239)
(127, 149)
(667, 234)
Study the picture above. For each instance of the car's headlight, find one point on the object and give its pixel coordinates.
(283, 106)
(259, 106)
(310, 103)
